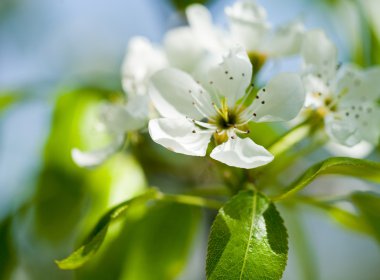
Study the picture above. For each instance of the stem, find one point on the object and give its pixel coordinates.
(190, 200)
(290, 138)
(210, 191)
(283, 162)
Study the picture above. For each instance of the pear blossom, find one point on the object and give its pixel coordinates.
(193, 112)
(347, 97)
(249, 26)
(188, 46)
(141, 61)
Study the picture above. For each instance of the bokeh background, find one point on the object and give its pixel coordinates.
(58, 61)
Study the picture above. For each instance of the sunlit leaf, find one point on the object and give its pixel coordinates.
(96, 237)
(248, 240)
(359, 168)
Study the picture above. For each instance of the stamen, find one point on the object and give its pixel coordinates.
(205, 125)
(242, 131)
(202, 112)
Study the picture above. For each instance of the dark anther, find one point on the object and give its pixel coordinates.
(263, 102)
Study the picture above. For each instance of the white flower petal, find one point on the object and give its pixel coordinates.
(319, 55)
(118, 119)
(356, 85)
(243, 153)
(180, 136)
(316, 91)
(280, 100)
(205, 32)
(182, 50)
(344, 131)
(367, 118)
(361, 150)
(142, 59)
(283, 41)
(173, 93)
(94, 158)
(248, 23)
(232, 76)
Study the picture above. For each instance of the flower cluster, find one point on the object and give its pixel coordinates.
(201, 83)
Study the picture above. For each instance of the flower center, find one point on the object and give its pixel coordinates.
(226, 122)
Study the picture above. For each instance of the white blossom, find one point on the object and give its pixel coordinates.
(347, 97)
(187, 47)
(195, 112)
(141, 61)
(193, 47)
(249, 27)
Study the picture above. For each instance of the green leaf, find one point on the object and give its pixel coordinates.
(248, 240)
(96, 237)
(341, 166)
(368, 204)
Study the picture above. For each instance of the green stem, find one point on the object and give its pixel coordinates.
(283, 162)
(190, 200)
(292, 137)
(210, 191)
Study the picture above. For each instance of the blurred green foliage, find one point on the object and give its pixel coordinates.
(68, 200)
(7, 99)
(7, 254)
(368, 204)
(161, 236)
